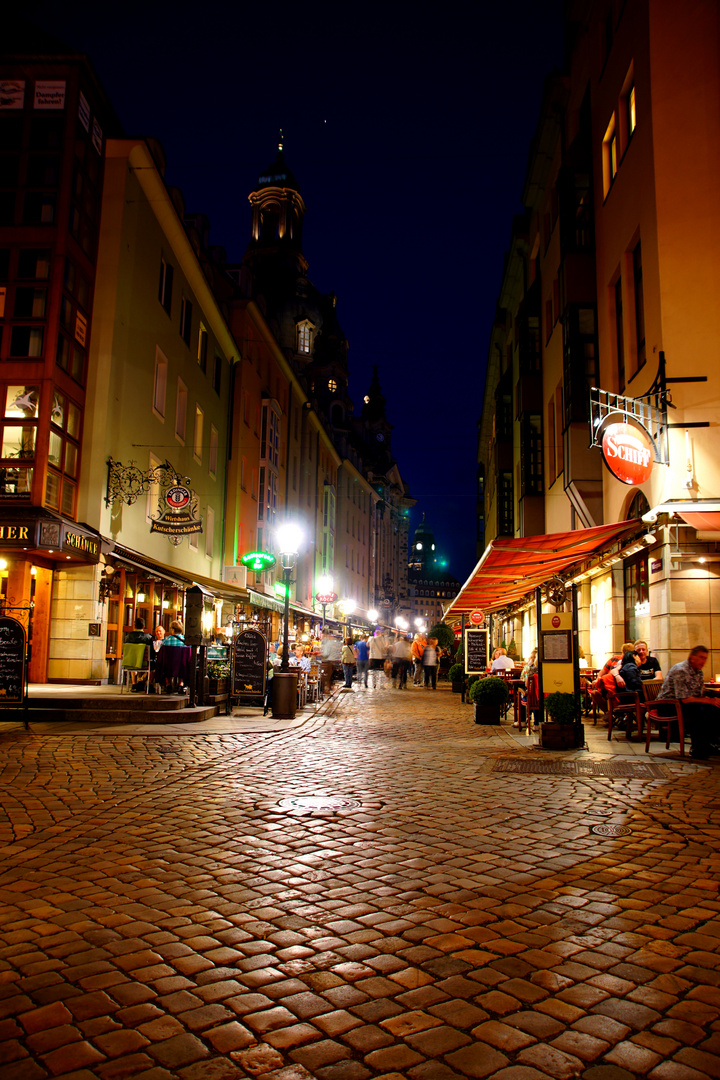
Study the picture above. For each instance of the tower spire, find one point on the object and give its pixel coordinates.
(280, 141)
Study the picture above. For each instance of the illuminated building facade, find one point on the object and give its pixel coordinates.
(610, 284)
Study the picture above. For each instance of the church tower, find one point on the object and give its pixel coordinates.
(278, 212)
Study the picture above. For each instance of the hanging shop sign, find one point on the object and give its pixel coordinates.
(178, 516)
(326, 597)
(258, 561)
(628, 452)
(476, 617)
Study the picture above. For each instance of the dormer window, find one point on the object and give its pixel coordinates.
(332, 385)
(305, 331)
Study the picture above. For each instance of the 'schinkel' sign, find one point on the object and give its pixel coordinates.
(628, 452)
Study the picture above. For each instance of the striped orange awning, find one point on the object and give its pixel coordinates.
(511, 567)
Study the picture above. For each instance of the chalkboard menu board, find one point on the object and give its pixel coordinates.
(476, 651)
(12, 661)
(249, 664)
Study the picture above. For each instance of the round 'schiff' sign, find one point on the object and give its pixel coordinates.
(628, 452)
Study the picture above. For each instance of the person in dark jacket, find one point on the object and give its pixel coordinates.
(629, 672)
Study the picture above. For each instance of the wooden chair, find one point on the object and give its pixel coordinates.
(625, 705)
(135, 658)
(675, 717)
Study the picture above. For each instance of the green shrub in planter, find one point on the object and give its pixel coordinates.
(562, 731)
(562, 708)
(455, 675)
(489, 696)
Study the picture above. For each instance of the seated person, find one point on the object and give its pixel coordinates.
(630, 673)
(685, 683)
(174, 639)
(502, 662)
(138, 636)
(649, 666)
(299, 659)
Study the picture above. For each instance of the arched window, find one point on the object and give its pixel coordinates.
(305, 331)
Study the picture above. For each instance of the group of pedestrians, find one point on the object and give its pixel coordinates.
(394, 656)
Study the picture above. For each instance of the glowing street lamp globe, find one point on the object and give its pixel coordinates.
(289, 538)
(325, 584)
(372, 615)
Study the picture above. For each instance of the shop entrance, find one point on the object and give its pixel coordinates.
(41, 593)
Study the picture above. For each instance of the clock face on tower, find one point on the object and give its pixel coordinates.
(380, 437)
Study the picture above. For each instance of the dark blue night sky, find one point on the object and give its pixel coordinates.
(408, 130)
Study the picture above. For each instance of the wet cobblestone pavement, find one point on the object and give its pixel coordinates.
(381, 892)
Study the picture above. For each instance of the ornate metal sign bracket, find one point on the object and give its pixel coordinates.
(127, 483)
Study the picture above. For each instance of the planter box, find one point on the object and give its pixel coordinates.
(218, 686)
(487, 714)
(456, 687)
(562, 736)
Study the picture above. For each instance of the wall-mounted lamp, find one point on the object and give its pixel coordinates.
(106, 587)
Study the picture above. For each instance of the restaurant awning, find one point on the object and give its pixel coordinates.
(173, 574)
(511, 567)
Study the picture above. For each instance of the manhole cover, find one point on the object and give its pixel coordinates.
(318, 802)
(610, 830)
(635, 770)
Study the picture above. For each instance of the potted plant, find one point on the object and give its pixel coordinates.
(455, 675)
(512, 650)
(490, 697)
(218, 673)
(563, 731)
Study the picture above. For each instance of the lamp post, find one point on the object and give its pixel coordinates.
(284, 698)
(348, 608)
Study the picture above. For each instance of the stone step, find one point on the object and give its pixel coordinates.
(109, 702)
(99, 715)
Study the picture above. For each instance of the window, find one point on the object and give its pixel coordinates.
(26, 341)
(165, 287)
(198, 436)
(160, 384)
(30, 303)
(202, 348)
(639, 305)
(304, 336)
(552, 473)
(185, 319)
(243, 474)
(181, 411)
(17, 439)
(619, 337)
(270, 434)
(217, 373)
(609, 156)
(209, 531)
(34, 263)
(631, 111)
(63, 455)
(213, 452)
(559, 412)
(332, 385)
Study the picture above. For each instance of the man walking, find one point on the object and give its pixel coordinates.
(362, 659)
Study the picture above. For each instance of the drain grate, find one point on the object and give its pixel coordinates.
(635, 770)
(318, 802)
(611, 830)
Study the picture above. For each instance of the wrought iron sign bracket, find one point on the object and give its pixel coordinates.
(127, 483)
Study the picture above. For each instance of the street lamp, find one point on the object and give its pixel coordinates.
(289, 540)
(373, 615)
(348, 608)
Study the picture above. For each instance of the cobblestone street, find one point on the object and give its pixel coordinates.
(381, 891)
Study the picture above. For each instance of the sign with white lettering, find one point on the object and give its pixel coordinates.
(628, 452)
(12, 661)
